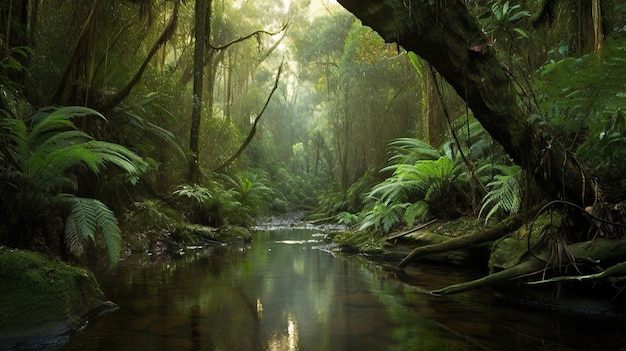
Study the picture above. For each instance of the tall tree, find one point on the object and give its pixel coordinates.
(202, 32)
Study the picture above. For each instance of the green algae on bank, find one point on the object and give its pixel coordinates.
(44, 301)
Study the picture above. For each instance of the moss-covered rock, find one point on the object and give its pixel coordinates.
(44, 301)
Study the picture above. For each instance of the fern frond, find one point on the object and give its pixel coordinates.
(47, 118)
(111, 233)
(415, 211)
(118, 155)
(504, 193)
(409, 150)
(86, 218)
(80, 224)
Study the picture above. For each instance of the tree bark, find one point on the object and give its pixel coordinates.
(203, 10)
(447, 36)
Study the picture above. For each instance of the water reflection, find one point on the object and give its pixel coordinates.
(281, 293)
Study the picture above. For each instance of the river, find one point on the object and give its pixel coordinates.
(282, 292)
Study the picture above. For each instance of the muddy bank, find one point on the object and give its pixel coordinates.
(44, 301)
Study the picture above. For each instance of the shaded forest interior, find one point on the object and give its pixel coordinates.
(125, 120)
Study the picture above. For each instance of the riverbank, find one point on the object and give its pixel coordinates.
(44, 301)
(541, 278)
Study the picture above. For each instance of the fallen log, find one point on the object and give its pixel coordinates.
(599, 250)
(481, 236)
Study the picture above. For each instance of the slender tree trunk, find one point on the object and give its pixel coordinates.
(596, 19)
(202, 11)
(446, 35)
(79, 45)
(434, 108)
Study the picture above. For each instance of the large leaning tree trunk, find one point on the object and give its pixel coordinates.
(445, 34)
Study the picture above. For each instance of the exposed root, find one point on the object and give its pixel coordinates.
(466, 241)
(601, 250)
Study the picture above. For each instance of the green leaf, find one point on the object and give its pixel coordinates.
(86, 218)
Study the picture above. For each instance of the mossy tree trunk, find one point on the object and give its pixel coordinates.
(446, 35)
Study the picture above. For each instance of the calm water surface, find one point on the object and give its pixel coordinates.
(281, 292)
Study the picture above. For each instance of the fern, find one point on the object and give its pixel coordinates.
(382, 218)
(414, 212)
(44, 155)
(410, 150)
(346, 218)
(504, 193)
(252, 195)
(86, 218)
(198, 194)
(131, 125)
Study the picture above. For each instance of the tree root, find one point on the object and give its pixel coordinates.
(611, 272)
(599, 250)
(481, 236)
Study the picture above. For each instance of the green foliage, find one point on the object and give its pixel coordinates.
(86, 218)
(44, 157)
(239, 199)
(447, 183)
(196, 194)
(199, 204)
(348, 219)
(148, 213)
(252, 195)
(133, 125)
(585, 110)
(504, 192)
(383, 218)
(10, 63)
(424, 184)
(504, 18)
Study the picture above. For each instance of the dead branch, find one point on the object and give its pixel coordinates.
(240, 39)
(163, 38)
(254, 126)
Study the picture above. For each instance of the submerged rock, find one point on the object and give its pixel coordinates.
(44, 301)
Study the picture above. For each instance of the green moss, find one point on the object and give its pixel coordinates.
(42, 299)
(359, 241)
